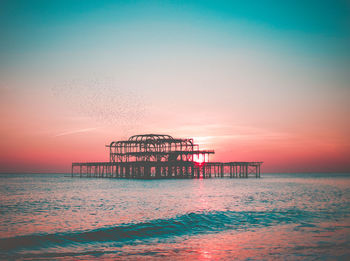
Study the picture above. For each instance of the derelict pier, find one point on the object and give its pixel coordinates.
(155, 156)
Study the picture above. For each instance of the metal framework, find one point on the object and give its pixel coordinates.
(155, 147)
(162, 156)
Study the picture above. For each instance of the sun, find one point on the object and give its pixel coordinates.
(198, 158)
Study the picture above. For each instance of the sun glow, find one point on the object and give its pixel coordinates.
(199, 158)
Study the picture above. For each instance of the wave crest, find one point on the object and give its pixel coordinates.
(188, 224)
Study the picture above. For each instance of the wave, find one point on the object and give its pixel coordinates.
(183, 225)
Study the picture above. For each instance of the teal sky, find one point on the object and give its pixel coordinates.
(322, 26)
(115, 29)
(233, 73)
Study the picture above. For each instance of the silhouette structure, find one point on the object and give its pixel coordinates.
(150, 156)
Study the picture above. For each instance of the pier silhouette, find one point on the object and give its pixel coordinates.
(156, 156)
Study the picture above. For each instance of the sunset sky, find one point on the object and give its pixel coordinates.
(253, 80)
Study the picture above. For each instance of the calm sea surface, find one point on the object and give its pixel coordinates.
(280, 216)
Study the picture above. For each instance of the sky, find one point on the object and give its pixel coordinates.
(253, 80)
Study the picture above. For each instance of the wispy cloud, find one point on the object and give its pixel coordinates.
(75, 131)
(245, 134)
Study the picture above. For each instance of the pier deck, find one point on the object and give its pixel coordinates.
(151, 170)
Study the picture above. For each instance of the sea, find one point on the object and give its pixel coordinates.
(276, 217)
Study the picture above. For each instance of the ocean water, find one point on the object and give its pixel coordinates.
(280, 216)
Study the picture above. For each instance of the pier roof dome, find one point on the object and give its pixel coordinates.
(145, 137)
